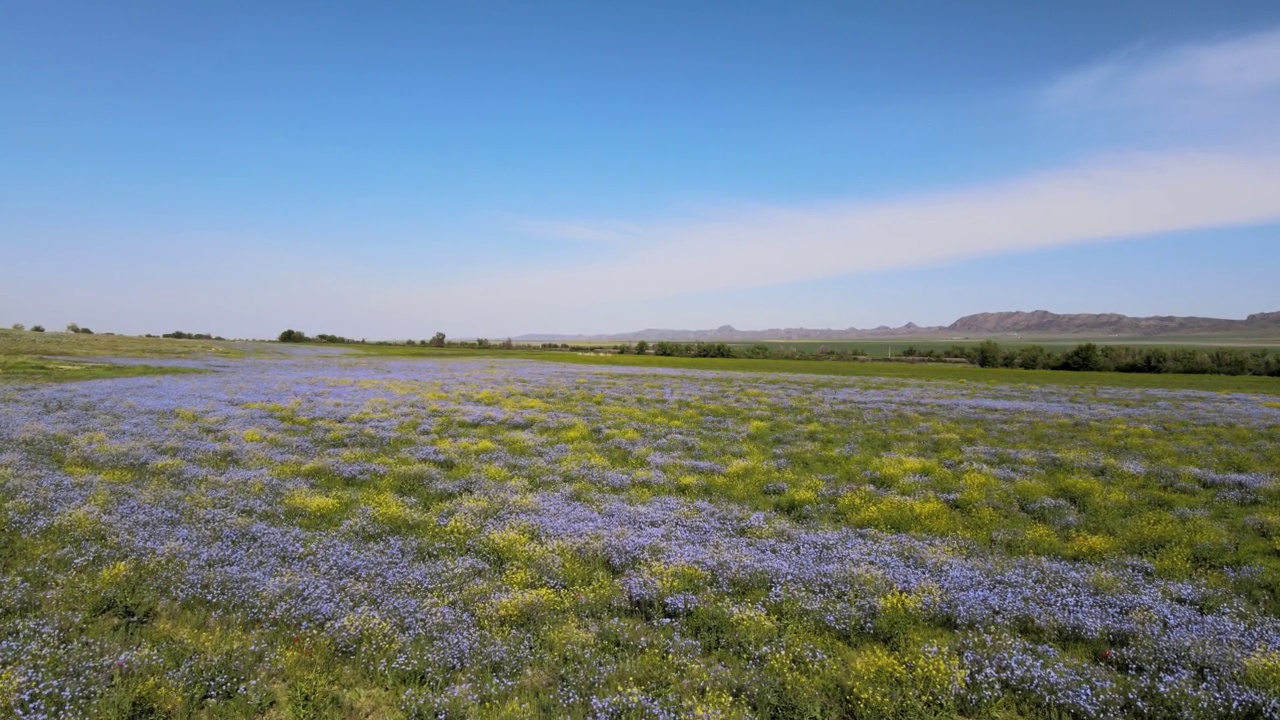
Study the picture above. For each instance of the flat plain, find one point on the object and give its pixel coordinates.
(312, 532)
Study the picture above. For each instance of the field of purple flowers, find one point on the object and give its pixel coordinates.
(354, 537)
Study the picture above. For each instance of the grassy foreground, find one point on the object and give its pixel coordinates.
(365, 537)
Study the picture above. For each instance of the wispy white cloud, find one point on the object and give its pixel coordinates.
(1235, 79)
(589, 232)
(1218, 179)
(1110, 198)
(1224, 179)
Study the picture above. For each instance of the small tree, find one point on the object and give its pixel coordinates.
(987, 354)
(642, 347)
(37, 328)
(19, 327)
(295, 336)
(482, 342)
(1083, 358)
(73, 328)
(437, 340)
(508, 344)
(1032, 357)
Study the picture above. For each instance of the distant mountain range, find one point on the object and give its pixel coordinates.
(1038, 323)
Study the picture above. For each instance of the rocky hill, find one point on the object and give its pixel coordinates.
(728, 333)
(1042, 322)
(1037, 322)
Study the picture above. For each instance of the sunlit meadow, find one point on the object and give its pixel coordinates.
(366, 537)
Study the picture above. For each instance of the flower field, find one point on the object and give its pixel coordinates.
(372, 537)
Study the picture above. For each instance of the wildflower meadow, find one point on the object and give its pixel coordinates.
(329, 535)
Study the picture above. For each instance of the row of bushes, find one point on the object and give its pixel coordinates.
(71, 328)
(1086, 357)
(759, 351)
(297, 336)
(180, 335)
(1091, 357)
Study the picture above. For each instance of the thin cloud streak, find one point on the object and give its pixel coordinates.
(1236, 80)
(1109, 199)
(613, 233)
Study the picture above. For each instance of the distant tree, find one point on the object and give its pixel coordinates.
(37, 328)
(85, 331)
(73, 328)
(711, 350)
(19, 327)
(623, 349)
(642, 347)
(508, 344)
(294, 336)
(987, 354)
(436, 340)
(482, 342)
(410, 342)
(1083, 357)
(1032, 357)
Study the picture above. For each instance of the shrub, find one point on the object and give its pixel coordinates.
(37, 328)
(19, 327)
(293, 336)
(1083, 357)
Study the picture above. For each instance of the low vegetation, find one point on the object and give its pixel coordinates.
(472, 535)
(1091, 357)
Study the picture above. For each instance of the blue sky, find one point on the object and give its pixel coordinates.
(393, 169)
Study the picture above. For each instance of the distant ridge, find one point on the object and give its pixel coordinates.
(1037, 322)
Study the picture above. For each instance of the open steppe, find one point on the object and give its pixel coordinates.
(315, 532)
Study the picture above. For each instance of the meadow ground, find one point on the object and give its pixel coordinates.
(66, 356)
(327, 534)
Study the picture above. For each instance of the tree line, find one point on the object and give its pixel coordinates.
(1085, 357)
(1091, 357)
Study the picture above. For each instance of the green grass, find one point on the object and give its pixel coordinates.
(914, 371)
(57, 357)
(1077, 484)
(31, 356)
(58, 344)
(13, 368)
